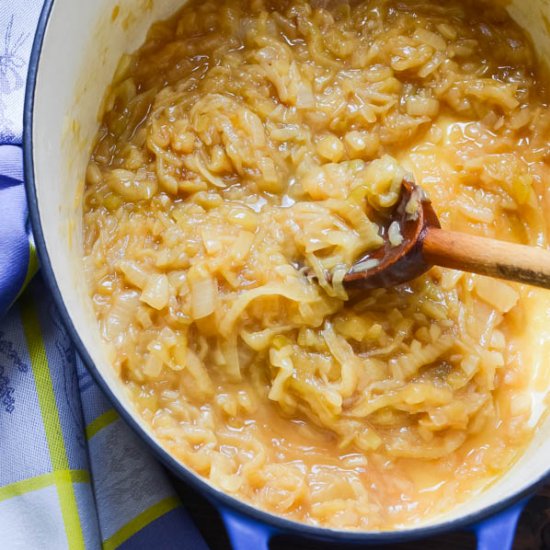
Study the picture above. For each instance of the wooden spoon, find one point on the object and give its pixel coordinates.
(425, 244)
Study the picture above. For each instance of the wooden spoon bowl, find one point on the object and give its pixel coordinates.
(424, 244)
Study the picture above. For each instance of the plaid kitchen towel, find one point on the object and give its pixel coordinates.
(72, 474)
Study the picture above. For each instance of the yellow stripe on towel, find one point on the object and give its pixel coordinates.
(32, 268)
(102, 421)
(40, 482)
(141, 521)
(50, 418)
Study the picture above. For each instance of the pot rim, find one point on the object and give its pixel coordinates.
(218, 497)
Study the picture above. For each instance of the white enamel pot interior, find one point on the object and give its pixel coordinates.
(77, 48)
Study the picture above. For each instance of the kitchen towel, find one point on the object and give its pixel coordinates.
(72, 474)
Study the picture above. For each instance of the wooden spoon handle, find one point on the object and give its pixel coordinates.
(514, 262)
